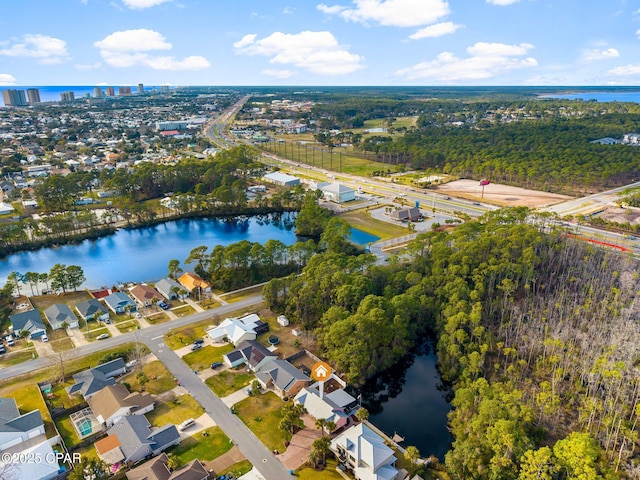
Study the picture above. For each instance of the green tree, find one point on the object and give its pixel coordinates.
(580, 457)
(89, 469)
(311, 219)
(412, 455)
(59, 277)
(75, 276)
(321, 445)
(538, 465)
(174, 269)
(362, 414)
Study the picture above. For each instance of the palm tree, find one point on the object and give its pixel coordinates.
(321, 445)
(362, 414)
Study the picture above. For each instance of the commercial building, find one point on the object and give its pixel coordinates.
(338, 193)
(33, 94)
(173, 125)
(282, 179)
(14, 98)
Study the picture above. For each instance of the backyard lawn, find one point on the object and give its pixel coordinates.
(206, 445)
(67, 432)
(262, 414)
(229, 381)
(175, 411)
(204, 357)
(42, 302)
(59, 397)
(159, 378)
(28, 398)
(329, 473)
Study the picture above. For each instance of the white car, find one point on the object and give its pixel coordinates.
(138, 315)
(44, 338)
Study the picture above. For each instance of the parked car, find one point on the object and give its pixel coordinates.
(102, 336)
(199, 341)
(196, 346)
(215, 365)
(186, 424)
(10, 341)
(138, 315)
(44, 338)
(164, 305)
(3, 349)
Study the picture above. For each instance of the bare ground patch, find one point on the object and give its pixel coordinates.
(503, 195)
(621, 215)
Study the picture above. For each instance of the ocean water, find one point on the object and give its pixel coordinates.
(52, 93)
(611, 96)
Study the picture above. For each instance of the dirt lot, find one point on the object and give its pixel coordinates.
(503, 195)
(621, 215)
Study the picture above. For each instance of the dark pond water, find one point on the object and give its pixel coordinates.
(143, 254)
(410, 400)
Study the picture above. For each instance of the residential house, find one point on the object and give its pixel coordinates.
(7, 188)
(114, 402)
(29, 321)
(145, 295)
(335, 406)
(16, 428)
(131, 439)
(169, 288)
(231, 330)
(119, 303)
(21, 464)
(192, 282)
(406, 214)
(92, 310)
(157, 469)
(89, 382)
(282, 377)
(60, 314)
(251, 353)
(364, 452)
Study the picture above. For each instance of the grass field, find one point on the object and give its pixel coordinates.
(362, 220)
(42, 302)
(19, 356)
(183, 311)
(329, 472)
(160, 379)
(128, 326)
(158, 318)
(176, 411)
(203, 358)
(62, 344)
(206, 445)
(229, 381)
(238, 469)
(91, 336)
(262, 414)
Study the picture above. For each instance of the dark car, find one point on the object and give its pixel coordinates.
(199, 341)
(215, 365)
(164, 305)
(3, 349)
(196, 346)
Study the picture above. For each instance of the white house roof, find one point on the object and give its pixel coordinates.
(231, 328)
(336, 188)
(368, 447)
(45, 467)
(280, 177)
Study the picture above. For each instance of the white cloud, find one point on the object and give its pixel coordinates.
(7, 79)
(278, 73)
(87, 66)
(437, 30)
(626, 70)
(128, 48)
(288, 10)
(597, 54)
(502, 2)
(392, 13)
(140, 4)
(487, 60)
(316, 52)
(139, 40)
(48, 50)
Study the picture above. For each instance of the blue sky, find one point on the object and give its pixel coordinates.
(326, 42)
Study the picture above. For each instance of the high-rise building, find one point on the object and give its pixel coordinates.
(124, 91)
(111, 92)
(33, 94)
(140, 89)
(14, 98)
(97, 92)
(67, 97)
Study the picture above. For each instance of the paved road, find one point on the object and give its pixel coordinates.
(145, 335)
(589, 203)
(252, 448)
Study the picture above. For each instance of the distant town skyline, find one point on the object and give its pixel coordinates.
(341, 42)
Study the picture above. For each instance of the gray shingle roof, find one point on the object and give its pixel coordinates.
(95, 379)
(133, 431)
(30, 320)
(59, 313)
(12, 421)
(283, 373)
(90, 307)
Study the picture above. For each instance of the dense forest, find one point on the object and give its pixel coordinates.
(537, 333)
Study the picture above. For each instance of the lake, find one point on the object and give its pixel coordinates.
(410, 400)
(610, 96)
(143, 254)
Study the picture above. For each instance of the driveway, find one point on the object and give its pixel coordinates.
(203, 422)
(77, 337)
(298, 450)
(235, 397)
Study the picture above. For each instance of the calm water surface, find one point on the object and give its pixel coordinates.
(410, 400)
(143, 254)
(599, 96)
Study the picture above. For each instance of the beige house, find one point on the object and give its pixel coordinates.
(114, 402)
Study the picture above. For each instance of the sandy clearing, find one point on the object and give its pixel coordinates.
(504, 195)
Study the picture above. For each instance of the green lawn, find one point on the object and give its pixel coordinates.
(158, 318)
(262, 414)
(204, 357)
(184, 311)
(128, 326)
(209, 304)
(362, 220)
(329, 473)
(176, 411)
(160, 380)
(91, 336)
(28, 398)
(229, 381)
(62, 345)
(180, 337)
(59, 397)
(19, 356)
(67, 432)
(238, 469)
(206, 445)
